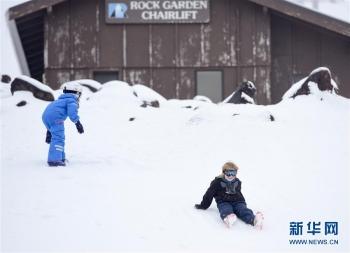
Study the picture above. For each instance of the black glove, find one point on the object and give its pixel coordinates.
(199, 206)
(80, 127)
(48, 137)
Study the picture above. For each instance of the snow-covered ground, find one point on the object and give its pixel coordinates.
(131, 185)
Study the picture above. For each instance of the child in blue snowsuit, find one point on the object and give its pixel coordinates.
(54, 116)
(226, 189)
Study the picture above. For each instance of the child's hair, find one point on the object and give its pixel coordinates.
(229, 166)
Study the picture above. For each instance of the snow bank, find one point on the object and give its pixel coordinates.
(186, 103)
(147, 94)
(202, 98)
(116, 93)
(5, 90)
(131, 185)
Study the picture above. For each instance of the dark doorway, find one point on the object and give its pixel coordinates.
(209, 84)
(105, 76)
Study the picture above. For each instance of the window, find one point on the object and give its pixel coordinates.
(105, 76)
(209, 84)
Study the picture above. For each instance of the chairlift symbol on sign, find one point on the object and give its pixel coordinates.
(117, 10)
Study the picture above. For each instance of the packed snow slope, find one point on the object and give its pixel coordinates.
(131, 185)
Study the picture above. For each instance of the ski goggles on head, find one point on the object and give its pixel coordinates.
(231, 173)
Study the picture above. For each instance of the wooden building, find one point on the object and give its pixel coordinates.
(181, 48)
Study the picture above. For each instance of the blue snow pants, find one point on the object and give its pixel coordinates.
(240, 209)
(56, 150)
(53, 117)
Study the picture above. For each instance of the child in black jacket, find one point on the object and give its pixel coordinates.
(226, 189)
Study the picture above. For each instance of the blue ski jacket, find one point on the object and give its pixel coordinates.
(65, 106)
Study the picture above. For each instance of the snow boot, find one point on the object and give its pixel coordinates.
(230, 219)
(258, 220)
(56, 163)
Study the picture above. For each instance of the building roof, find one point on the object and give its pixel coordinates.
(287, 8)
(29, 7)
(307, 15)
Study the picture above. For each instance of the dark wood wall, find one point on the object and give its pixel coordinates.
(237, 41)
(164, 56)
(298, 48)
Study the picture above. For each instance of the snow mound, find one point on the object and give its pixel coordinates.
(5, 90)
(15, 103)
(116, 93)
(147, 94)
(229, 112)
(161, 163)
(188, 103)
(92, 85)
(202, 98)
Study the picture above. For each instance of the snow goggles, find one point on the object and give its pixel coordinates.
(231, 173)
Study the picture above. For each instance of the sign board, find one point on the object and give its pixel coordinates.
(157, 11)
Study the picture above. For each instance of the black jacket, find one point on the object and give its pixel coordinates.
(223, 191)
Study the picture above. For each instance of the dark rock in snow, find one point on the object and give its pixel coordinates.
(5, 79)
(91, 88)
(131, 119)
(92, 85)
(154, 103)
(39, 90)
(322, 77)
(244, 94)
(272, 118)
(21, 103)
